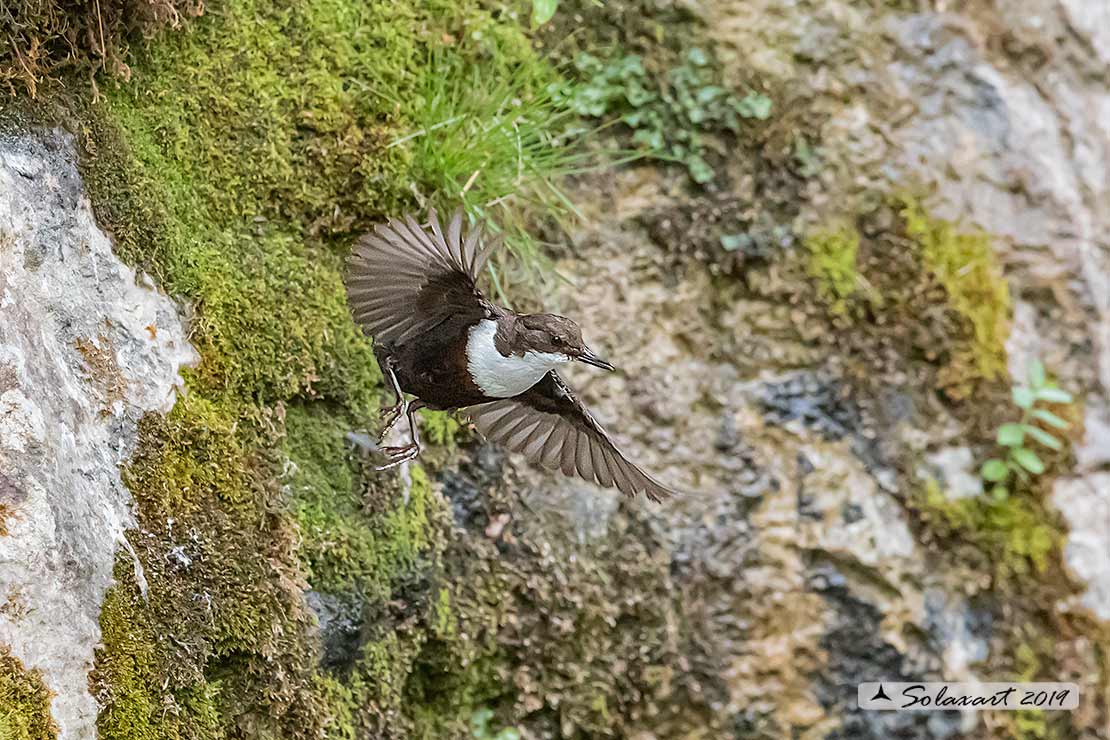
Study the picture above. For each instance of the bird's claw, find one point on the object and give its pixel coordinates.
(392, 415)
(399, 455)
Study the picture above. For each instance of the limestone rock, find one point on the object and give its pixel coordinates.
(86, 348)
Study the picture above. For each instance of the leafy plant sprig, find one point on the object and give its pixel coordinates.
(543, 11)
(672, 116)
(1020, 460)
(480, 729)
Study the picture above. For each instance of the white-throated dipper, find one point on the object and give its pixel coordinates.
(414, 289)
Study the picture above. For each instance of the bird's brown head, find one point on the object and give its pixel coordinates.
(553, 334)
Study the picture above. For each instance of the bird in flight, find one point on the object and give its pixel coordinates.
(414, 289)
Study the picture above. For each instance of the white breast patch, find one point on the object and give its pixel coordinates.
(499, 376)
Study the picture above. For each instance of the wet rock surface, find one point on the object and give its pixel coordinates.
(86, 348)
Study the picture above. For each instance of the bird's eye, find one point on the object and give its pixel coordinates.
(558, 341)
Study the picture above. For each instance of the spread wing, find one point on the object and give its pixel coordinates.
(404, 279)
(548, 424)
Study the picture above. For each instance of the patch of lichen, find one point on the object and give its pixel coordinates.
(24, 702)
(1035, 641)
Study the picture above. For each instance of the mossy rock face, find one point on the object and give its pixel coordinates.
(24, 702)
(236, 166)
(899, 293)
(288, 590)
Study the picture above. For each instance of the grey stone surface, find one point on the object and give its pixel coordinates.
(1010, 137)
(86, 348)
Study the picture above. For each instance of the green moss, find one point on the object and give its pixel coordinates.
(220, 634)
(348, 546)
(291, 87)
(236, 166)
(259, 142)
(24, 702)
(1019, 536)
(964, 264)
(900, 292)
(832, 264)
(128, 675)
(440, 427)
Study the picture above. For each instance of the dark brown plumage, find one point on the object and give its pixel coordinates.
(414, 290)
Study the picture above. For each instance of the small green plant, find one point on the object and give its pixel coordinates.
(543, 11)
(480, 730)
(670, 115)
(1020, 460)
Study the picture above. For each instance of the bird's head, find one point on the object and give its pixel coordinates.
(552, 334)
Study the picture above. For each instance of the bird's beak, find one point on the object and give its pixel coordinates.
(590, 358)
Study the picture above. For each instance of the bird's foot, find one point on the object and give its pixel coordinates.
(391, 414)
(399, 455)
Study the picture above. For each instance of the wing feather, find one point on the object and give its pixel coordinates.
(551, 426)
(601, 466)
(567, 454)
(437, 229)
(583, 458)
(554, 445)
(404, 279)
(454, 233)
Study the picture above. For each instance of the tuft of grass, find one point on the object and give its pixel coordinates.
(496, 140)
